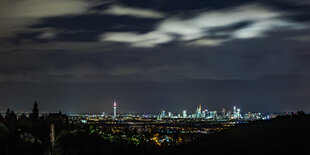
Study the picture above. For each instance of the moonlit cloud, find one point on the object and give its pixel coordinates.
(257, 29)
(193, 28)
(16, 16)
(137, 40)
(262, 19)
(119, 10)
(208, 42)
(48, 34)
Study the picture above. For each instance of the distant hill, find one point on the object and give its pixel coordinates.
(282, 135)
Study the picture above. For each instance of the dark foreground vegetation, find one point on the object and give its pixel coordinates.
(288, 134)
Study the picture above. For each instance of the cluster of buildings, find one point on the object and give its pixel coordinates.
(208, 114)
(235, 114)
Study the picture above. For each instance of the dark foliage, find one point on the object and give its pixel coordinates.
(283, 135)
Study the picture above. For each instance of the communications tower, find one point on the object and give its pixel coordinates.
(114, 108)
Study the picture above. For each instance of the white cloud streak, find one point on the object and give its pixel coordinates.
(263, 19)
(137, 40)
(17, 15)
(119, 10)
(207, 42)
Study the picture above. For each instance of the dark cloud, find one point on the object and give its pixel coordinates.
(17, 16)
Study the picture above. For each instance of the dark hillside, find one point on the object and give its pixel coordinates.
(282, 135)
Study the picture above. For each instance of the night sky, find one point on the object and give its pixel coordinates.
(80, 55)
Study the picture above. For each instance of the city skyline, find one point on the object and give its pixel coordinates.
(230, 116)
(201, 111)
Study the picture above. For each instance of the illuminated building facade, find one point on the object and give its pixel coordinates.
(163, 113)
(184, 114)
(198, 112)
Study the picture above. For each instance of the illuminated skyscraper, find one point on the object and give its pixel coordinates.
(249, 115)
(198, 112)
(184, 114)
(114, 108)
(169, 114)
(207, 113)
(213, 114)
(163, 113)
(203, 114)
(235, 112)
(223, 113)
(238, 113)
(228, 115)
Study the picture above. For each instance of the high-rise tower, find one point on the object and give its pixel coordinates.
(184, 114)
(35, 111)
(198, 112)
(235, 112)
(223, 113)
(114, 108)
(163, 113)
